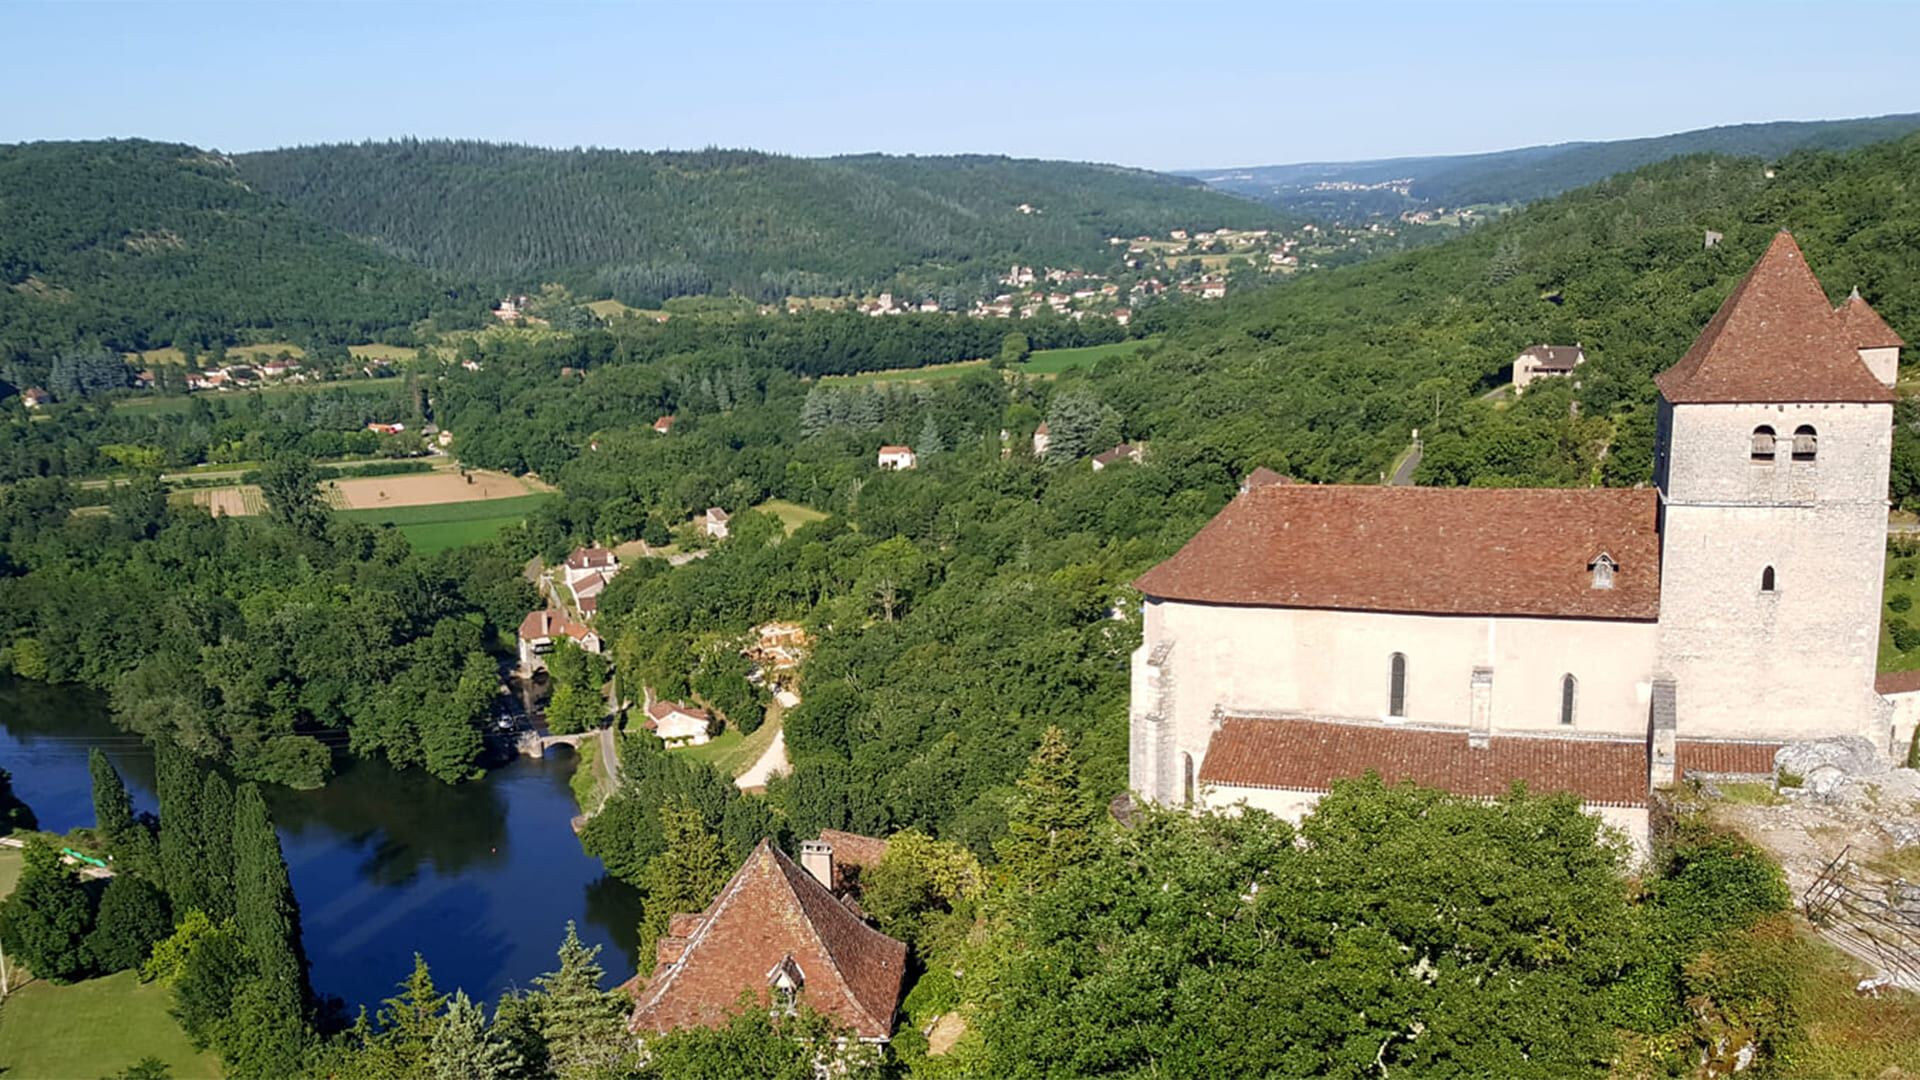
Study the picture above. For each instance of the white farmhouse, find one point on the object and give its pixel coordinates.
(716, 523)
(897, 457)
(1545, 362)
(679, 725)
(1602, 642)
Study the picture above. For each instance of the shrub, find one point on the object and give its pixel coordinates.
(1900, 602)
(1905, 637)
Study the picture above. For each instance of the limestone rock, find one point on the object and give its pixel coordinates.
(1825, 764)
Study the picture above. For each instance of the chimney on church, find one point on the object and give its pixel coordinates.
(816, 858)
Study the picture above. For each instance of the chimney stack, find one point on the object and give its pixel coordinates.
(816, 858)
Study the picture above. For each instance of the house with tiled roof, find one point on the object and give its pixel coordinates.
(540, 630)
(716, 523)
(775, 930)
(678, 724)
(589, 562)
(897, 457)
(1603, 642)
(1545, 362)
(35, 398)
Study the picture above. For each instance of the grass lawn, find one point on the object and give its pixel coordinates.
(431, 539)
(94, 1028)
(733, 753)
(511, 508)
(791, 514)
(1903, 557)
(715, 750)
(930, 373)
(395, 387)
(1055, 361)
(585, 781)
(1849, 1035)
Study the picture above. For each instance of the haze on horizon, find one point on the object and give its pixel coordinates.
(1167, 86)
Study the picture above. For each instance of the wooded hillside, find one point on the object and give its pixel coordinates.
(139, 245)
(641, 227)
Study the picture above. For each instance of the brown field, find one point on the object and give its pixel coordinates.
(230, 502)
(424, 489)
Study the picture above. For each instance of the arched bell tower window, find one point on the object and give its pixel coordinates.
(1186, 765)
(1766, 580)
(1397, 685)
(1763, 444)
(1806, 443)
(1567, 687)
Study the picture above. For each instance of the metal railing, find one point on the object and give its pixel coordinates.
(1877, 920)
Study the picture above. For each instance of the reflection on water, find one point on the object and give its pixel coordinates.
(480, 879)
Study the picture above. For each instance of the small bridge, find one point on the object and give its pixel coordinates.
(534, 744)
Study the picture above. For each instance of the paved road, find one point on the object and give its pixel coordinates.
(1403, 476)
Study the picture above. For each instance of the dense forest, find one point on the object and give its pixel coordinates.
(641, 227)
(1533, 172)
(139, 245)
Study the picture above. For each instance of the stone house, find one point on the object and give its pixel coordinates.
(540, 629)
(1545, 362)
(716, 523)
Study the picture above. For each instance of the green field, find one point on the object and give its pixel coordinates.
(94, 1028)
(1055, 361)
(440, 526)
(1903, 557)
(791, 514)
(160, 406)
(733, 753)
(930, 373)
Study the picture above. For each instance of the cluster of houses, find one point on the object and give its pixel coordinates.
(887, 306)
(239, 376)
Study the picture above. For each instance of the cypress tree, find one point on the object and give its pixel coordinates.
(112, 806)
(180, 866)
(266, 911)
(214, 845)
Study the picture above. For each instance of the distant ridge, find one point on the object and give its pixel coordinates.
(1528, 173)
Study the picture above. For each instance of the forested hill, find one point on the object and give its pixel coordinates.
(1329, 375)
(644, 226)
(1529, 173)
(139, 244)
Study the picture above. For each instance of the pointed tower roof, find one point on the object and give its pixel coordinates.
(772, 917)
(1774, 340)
(1863, 326)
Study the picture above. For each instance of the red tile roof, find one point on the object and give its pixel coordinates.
(1715, 756)
(1863, 326)
(1555, 357)
(660, 710)
(1773, 340)
(854, 849)
(551, 624)
(772, 912)
(664, 423)
(896, 450)
(1896, 682)
(590, 558)
(1446, 551)
(1308, 755)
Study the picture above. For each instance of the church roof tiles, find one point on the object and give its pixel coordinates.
(1443, 551)
(1775, 339)
(1297, 754)
(1863, 326)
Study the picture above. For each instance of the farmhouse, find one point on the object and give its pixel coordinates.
(540, 629)
(1123, 452)
(663, 425)
(385, 429)
(897, 457)
(679, 725)
(781, 932)
(716, 525)
(1545, 362)
(1601, 642)
(1042, 438)
(36, 398)
(588, 562)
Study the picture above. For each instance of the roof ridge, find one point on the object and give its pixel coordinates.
(712, 913)
(789, 871)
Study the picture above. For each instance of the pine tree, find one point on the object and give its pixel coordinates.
(581, 1022)
(264, 906)
(930, 442)
(411, 1022)
(133, 916)
(1072, 420)
(213, 846)
(180, 866)
(112, 806)
(685, 876)
(1050, 825)
(463, 1048)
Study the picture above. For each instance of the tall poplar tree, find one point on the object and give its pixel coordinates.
(265, 909)
(112, 806)
(179, 783)
(213, 845)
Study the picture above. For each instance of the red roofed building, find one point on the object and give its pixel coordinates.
(540, 629)
(663, 425)
(776, 931)
(679, 725)
(1601, 642)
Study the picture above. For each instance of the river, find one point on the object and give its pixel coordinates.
(480, 879)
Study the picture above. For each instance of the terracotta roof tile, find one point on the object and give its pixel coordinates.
(769, 913)
(1863, 326)
(662, 709)
(1450, 551)
(590, 558)
(1716, 756)
(1555, 357)
(1261, 477)
(1773, 340)
(551, 624)
(1308, 755)
(1896, 682)
(854, 849)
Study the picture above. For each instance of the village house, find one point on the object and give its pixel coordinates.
(716, 523)
(663, 425)
(791, 936)
(1123, 316)
(1603, 642)
(35, 398)
(385, 429)
(1123, 452)
(1545, 362)
(679, 725)
(1261, 477)
(540, 629)
(587, 562)
(897, 457)
(1041, 440)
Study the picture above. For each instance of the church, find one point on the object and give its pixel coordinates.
(1604, 642)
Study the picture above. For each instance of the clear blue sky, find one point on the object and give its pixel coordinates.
(1163, 85)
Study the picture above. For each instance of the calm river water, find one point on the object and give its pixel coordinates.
(480, 879)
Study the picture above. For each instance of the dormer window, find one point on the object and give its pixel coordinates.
(784, 983)
(1603, 567)
(1763, 444)
(1805, 443)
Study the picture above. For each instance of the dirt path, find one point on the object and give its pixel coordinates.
(772, 763)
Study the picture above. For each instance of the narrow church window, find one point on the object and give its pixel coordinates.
(1567, 686)
(1186, 761)
(1805, 443)
(1397, 686)
(1766, 580)
(1763, 443)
